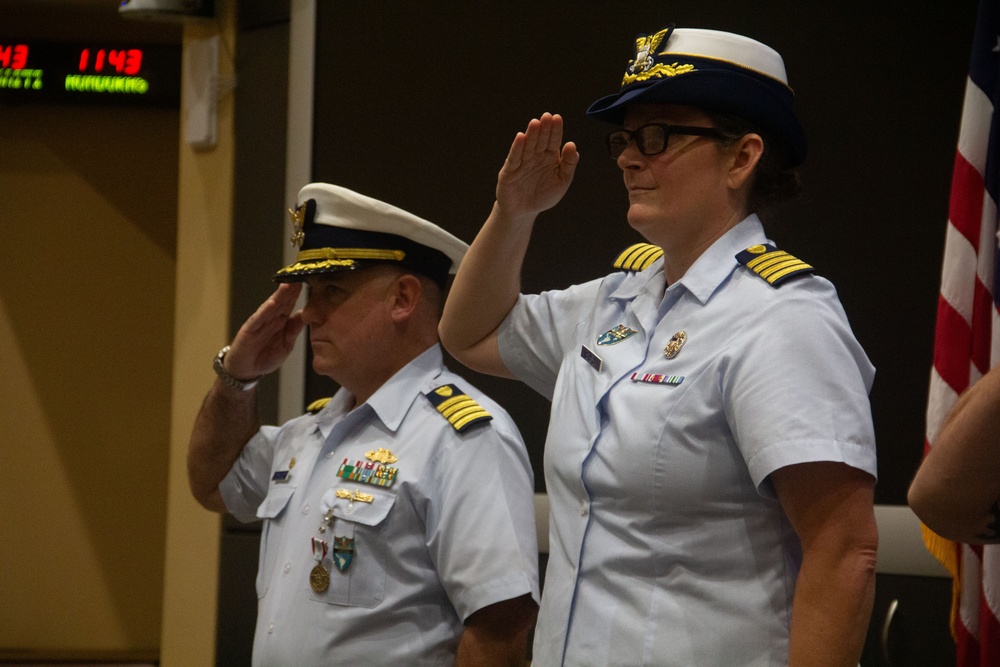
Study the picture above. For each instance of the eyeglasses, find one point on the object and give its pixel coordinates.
(652, 139)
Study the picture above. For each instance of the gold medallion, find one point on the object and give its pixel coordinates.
(319, 578)
(674, 345)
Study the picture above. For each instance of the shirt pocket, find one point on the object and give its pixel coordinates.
(271, 511)
(358, 532)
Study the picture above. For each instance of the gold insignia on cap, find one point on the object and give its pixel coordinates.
(644, 66)
(315, 267)
(381, 455)
(658, 72)
(351, 253)
(298, 220)
(319, 259)
(644, 47)
(461, 411)
(675, 344)
(638, 257)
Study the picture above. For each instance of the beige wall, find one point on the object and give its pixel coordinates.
(87, 236)
(114, 291)
(204, 253)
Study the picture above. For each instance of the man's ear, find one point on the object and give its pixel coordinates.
(746, 153)
(405, 297)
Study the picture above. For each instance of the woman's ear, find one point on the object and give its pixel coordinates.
(746, 153)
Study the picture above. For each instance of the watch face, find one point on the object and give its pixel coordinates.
(227, 379)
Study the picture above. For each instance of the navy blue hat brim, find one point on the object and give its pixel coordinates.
(341, 249)
(757, 99)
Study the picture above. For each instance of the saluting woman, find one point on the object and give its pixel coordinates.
(710, 460)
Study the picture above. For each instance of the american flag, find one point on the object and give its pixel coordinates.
(967, 335)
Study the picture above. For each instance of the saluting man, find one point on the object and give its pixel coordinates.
(398, 516)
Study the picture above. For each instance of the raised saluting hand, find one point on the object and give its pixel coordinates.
(538, 169)
(266, 339)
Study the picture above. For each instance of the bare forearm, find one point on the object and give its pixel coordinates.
(226, 422)
(832, 607)
(831, 507)
(497, 636)
(536, 174)
(957, 488)
(487, 284)
(474, 652)
(228, 417)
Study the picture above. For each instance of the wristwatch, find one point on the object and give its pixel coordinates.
(229, 380)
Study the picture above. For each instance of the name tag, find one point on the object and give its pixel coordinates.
(591, 358)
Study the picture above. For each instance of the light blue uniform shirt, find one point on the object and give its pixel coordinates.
(667, 545)
(453, 533)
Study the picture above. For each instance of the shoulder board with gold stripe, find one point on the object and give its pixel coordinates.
(461, 411)
(318, 405)
(638, 257)
(773, 265)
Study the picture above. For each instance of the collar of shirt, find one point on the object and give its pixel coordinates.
(717, 262)
(392, 400)
(707, 272)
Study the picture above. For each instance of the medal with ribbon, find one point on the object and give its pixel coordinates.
(319, 577)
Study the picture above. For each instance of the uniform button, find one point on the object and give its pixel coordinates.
(583, 508)
(288, 568)
(270, 628)
(329, 455)
(305, 510)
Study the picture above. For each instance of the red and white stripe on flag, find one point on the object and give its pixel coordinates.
(967, 335)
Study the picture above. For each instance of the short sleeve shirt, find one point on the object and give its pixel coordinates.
(668, 546)
(433, 524)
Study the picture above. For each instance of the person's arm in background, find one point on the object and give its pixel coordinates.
(228, 417)
(956, 491)
(535, 176)
(831, 507)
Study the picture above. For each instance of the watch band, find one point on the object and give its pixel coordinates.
(229, 380)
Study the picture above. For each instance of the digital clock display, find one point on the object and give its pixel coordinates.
(121, 61)
(57, 72)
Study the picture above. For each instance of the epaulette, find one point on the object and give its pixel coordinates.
(461, 411)
(318, 405)
(773, 265)
(638, 257)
